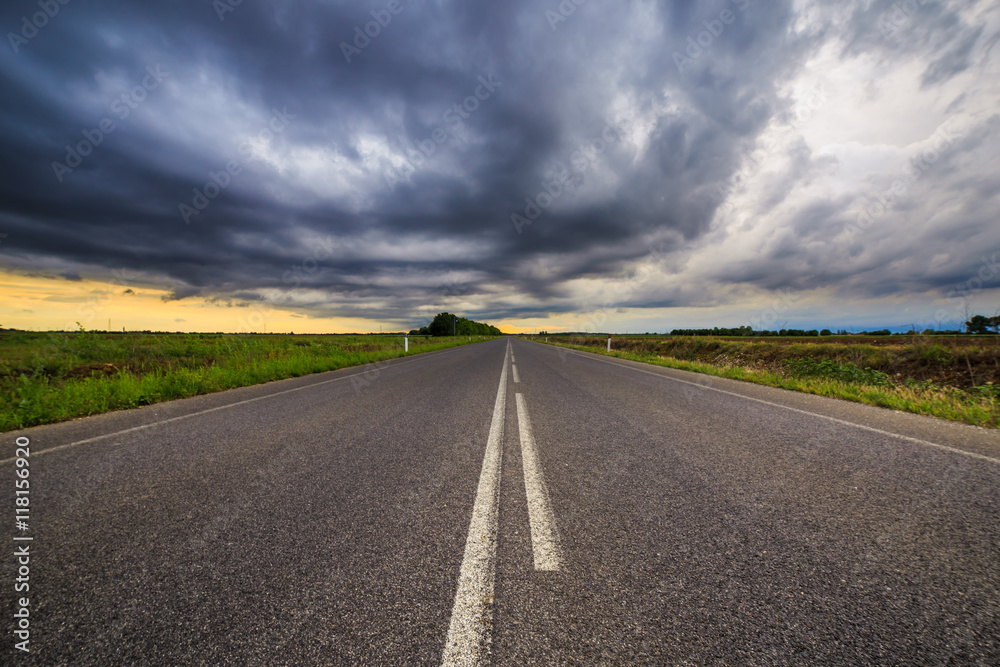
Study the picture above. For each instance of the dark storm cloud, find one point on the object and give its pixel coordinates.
(335, 201)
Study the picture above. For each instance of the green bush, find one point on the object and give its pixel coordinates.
(935, 355)
(835, 370)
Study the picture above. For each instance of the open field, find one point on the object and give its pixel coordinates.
(49, 377)
(951, 377)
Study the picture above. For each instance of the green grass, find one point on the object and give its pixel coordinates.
(51, 377)
(835, 370)
(977, 405)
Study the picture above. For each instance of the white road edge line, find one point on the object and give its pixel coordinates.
(544, 536)
(142, 427)
(918, 441)
(513, 368)
(470, 630)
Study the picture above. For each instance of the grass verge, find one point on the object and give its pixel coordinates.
(979, 407)
(52, 377)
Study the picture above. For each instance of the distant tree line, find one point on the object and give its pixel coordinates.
(980, 324)
(748, 331)
(977, 324)
(972, 327)
(444, 324)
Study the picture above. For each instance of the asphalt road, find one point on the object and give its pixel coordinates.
(507, 503)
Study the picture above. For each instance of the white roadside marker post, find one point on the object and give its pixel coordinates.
(406, 342)
(609, 342)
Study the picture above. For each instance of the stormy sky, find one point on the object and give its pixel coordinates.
(574, 165)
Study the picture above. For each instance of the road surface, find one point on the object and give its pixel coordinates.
(508, 503)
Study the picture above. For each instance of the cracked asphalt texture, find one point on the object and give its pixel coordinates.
(327, 525)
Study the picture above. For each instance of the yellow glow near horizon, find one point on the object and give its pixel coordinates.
(42, 304)
(38, 303)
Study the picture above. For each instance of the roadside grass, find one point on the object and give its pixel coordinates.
(52, 377)
(977, 405)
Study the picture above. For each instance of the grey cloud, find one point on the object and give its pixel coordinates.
(607, 62)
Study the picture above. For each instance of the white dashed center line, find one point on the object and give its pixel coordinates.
(544, 536)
